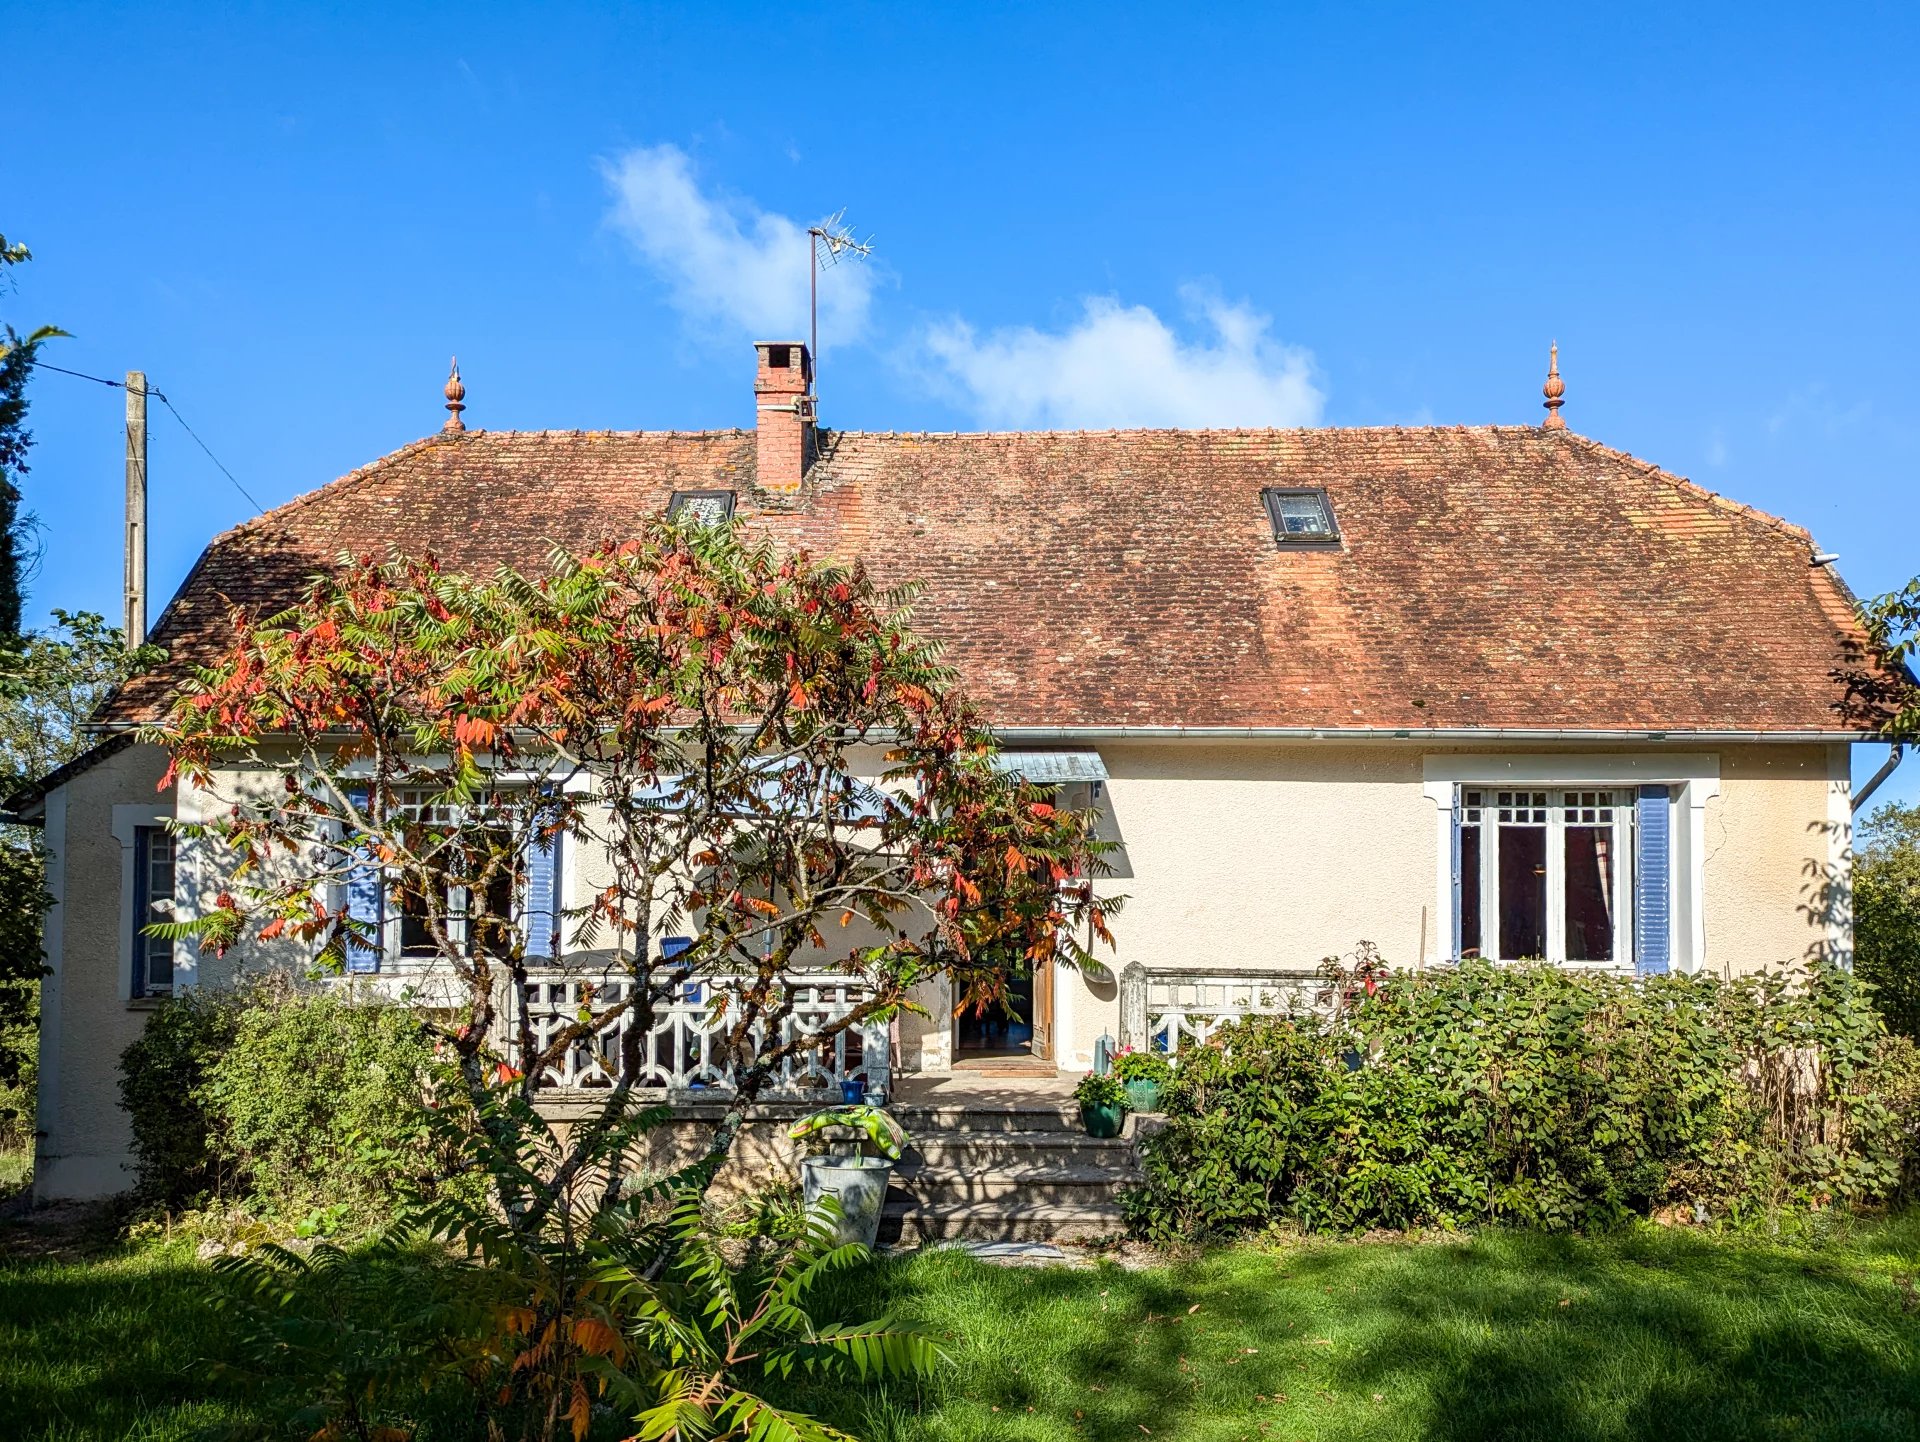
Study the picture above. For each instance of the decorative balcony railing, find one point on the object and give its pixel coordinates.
(1168, 1010)
(681, 1050)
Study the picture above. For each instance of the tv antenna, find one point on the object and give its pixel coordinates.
(830, 239)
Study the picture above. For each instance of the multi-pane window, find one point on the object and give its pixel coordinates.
(1545, 873)
(520, 902)
(153, 859)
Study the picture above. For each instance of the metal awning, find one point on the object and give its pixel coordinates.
(1052, 768)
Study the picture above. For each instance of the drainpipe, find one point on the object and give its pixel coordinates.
(1873, 782)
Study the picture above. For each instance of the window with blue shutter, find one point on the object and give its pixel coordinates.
(1652, 883)
(1459, 920)
(364, 888)
(152, 902)
(540, 865)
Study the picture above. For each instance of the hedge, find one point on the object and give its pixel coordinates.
(1534, 1095)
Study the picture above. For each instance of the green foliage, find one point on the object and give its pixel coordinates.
(1096, 1090)
(1886, 913)
(180, 1160)
(16, 528)
(51, 683)
(602, 1290)
(354, 1346)
(710, 1330)
(23, 903)
(1142, 1066)
(871, 1123)
(1537, 1096)
(1884, 694)
(311, 1109)
(321, 1104)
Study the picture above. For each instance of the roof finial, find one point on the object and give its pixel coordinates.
(456, 398)
(1553, 390)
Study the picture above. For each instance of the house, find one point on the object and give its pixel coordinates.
(1451, 690)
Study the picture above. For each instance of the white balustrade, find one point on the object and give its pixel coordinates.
(681, 1051)
(1168, 1010)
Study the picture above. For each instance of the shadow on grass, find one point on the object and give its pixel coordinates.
(111, 1345)
(1503, 1336)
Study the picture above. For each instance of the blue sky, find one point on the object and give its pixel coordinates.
(1084, 215)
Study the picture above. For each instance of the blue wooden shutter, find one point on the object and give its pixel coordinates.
(363, 900)
(541, 867)
(1454, 955)
(1652, 885)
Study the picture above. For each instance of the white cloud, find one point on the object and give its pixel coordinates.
(727, 263)
(1121, 366)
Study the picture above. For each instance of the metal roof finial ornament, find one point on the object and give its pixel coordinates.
(456, 398)
(1553, 390)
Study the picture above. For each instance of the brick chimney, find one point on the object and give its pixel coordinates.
(783, 398)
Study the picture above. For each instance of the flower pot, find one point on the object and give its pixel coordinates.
(859, 1184)
(853, 1090)
(1103, 1121)
(1143, 1096)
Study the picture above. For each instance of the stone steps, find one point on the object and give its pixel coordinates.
(998, 1222)
(1039, 1115)
(1010, 1167)
(957, 1148)
(934, 1185)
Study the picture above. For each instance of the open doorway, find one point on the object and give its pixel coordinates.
(998, 1032)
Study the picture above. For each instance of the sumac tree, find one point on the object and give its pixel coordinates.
(747, 746)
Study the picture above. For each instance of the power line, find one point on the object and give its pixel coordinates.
(41, 365)
(160, 397)
(210, 455)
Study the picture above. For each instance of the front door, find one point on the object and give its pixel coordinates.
(1043, 1012)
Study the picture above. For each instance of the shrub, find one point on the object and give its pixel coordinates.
(1532, 1095)
(163, 1080)
(322, 1103)
(1886, 913)
(311, 1107)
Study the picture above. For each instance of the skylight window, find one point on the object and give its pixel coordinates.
(1301, 517)
(706, 508)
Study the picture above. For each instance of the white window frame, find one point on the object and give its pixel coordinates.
(394, 956)
(1553, 804)
(1693, 780)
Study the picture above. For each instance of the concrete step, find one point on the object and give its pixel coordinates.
(1017, 1116)
(1035, 1185)
(997, 1222)
(975, 1149)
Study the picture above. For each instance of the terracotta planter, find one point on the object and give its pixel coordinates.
(1103, 1121)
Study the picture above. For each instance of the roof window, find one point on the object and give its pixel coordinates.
(705, 508)
(1302, 516)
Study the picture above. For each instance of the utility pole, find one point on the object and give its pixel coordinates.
(135, 623)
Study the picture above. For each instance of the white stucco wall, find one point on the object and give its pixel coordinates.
(1244, 854)
(1279, 854)
(86, 1018)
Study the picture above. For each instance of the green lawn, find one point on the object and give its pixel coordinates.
(1646, 1334)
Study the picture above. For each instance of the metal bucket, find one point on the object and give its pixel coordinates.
(859, 1184)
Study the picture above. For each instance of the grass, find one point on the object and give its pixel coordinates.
(1645, 1334)
(16, 1170)
(1507, 1335)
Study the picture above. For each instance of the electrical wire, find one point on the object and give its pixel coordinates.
(161, 397)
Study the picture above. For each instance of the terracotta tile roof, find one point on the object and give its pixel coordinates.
(1500, 577)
